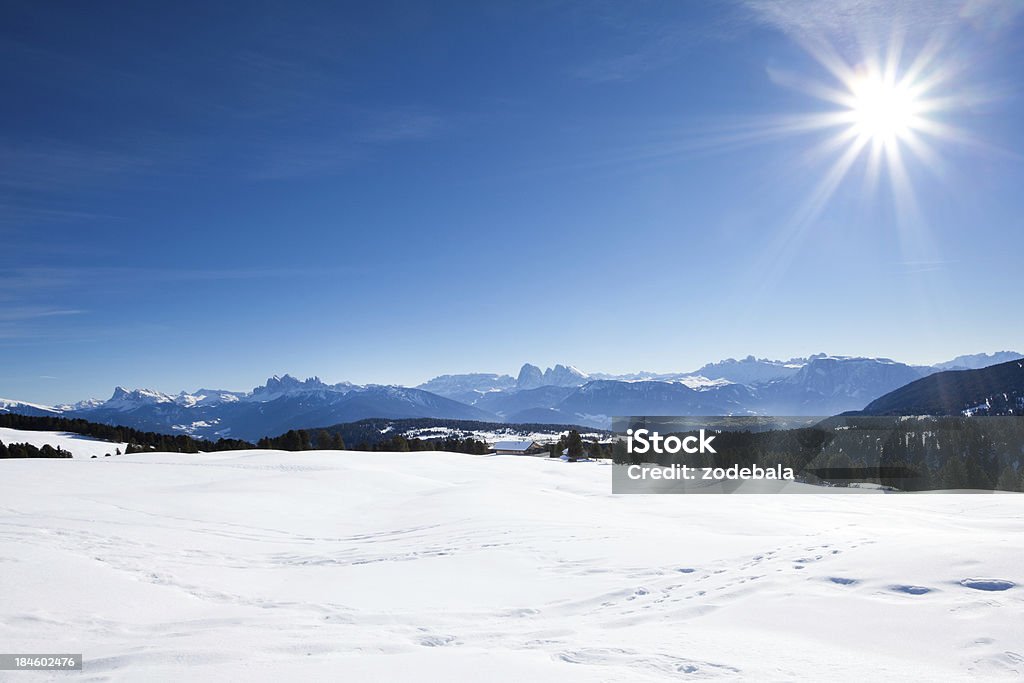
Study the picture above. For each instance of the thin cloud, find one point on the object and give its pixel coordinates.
(24, 322)
(36, 279)
(650, 44)
(31, 322)
(401, 125)
(879, 19)
(349, 145)
(49, 165)
(915, 267)
(35, 313)
(11, 213)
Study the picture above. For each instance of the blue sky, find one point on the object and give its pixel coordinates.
(198, 195)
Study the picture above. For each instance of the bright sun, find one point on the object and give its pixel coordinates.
(882, 111)
(887, 113)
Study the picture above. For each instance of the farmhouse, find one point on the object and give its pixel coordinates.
(517, 448)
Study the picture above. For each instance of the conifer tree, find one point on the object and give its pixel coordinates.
(574, 442)
(290, 441)
(620, 455)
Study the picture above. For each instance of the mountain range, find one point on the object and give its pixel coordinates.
(815, 385)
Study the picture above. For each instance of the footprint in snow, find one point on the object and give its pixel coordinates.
(987, 584)
(638, 592)
(436, 641)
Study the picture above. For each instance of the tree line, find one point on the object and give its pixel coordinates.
(371, 431)
(571, 445)
(327, 439)
(27, 450)
(373, 435)
(138, 441)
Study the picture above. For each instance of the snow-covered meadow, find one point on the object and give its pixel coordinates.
(262, 565)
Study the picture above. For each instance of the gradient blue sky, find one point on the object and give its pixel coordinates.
(204, 194)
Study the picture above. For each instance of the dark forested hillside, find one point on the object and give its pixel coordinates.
(370, 434)
(995, 390)
(136, 440)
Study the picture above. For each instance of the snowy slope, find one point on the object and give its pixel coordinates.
(388, 567)
(77, 445)
(8, 405)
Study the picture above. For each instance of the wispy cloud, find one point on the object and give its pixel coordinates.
(51, 165)
(31, 322)
(863, 20)
(278, 105)
(13, 213)
(34, 313)
(366, 132)
(31, 298)
(399, 125)
(37, 279)
(650, 40)
(916, 267)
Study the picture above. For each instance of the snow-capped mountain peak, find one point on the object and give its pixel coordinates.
(469, 387)
(207, 397)
(977, 361)
(8, 405)
(130, 399)
(565, 376)
(84, 404)
(531, 377)
(286, 385)
(751, 370)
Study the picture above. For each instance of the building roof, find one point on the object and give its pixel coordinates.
(513, 445)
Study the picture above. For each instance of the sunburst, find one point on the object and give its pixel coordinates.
(884, 107)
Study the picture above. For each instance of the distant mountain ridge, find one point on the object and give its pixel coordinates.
(815, 385)
(282, 403)
(752, 370)
(8, 405)
(994, 390)
(977, 361)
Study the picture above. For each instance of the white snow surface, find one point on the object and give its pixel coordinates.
(77, 445)
(269, 566)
